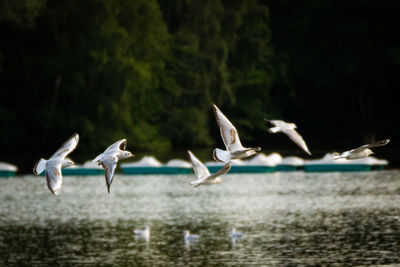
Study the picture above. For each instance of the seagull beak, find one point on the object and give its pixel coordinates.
(132, 156)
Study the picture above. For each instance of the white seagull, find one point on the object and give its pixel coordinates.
(145, 234)
(109, 159)
(360, 152)
(289, 130)
(202, 172)
(190, 237)
(234, 149)
(55, 163)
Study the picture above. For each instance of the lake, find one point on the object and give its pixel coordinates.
(287, 219)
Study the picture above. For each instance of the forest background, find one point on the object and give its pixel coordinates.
(149, 70)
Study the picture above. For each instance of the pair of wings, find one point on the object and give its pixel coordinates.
(376, 144)
(53, 170)
(202, 171)
(108, 160)
(292, 134)
(228, 132)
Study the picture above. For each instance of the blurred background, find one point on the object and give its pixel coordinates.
(148, 71)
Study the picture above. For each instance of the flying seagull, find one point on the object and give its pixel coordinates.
(234, 149)
(360, 152)
(109, 159)
(289, 130)
(55, 163)
(205, 178)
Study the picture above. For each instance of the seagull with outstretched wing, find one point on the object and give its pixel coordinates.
(55, 163)
(229, 134)
(109, 159)
(360, 152)
(289, 130)
(203, 174)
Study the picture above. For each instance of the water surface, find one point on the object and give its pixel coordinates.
(288, 219)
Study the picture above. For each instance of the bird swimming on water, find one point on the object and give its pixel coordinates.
(109, 159)
(229, 134)
(57, 162)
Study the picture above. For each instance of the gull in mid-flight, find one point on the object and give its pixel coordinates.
(360, 152)
(289, 130)
(234, 149)
(202, 172)
(109, 159)
(55, 163)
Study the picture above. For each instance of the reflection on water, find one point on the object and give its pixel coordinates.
(287, 219)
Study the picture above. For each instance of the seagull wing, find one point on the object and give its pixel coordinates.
(119, 145)
(199, 168)
(228, 131)
(296, 137)
(109, 164)
(67, 147)
(376, 144)
(54, 179)
(220, 172)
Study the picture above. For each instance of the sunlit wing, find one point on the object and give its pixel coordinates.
(67, 147)
(54, 179)
(296, 138)
(220, 172)
(121, 144)
(376, 144)
(228, 131)
(109, 166)
(199, 168)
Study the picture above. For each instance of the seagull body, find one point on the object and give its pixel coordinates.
(109, 159)
(55, 163)
(145, 234)
(236, 235)
(289, 130)
(234, 149)
(190, 237)
(360, 152)
(202, 172)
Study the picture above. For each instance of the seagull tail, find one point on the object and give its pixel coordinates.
(40, 166)
(274, 129)
(222, 155)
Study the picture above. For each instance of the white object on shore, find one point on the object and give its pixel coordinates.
(263, 160)
(146, 161)
(4, 166)
(179, 163)
(190, 237)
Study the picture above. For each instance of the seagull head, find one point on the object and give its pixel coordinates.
(218, 180)
(67, 163)
(128, 154)
(257, 149)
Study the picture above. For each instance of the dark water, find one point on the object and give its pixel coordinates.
(288, 219)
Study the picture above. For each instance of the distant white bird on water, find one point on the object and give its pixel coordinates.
(109, 159)
(235, 234)
(190, 237)
(202, 172)
(229, 134)
(360, 152)
(55, 163)
(145, 234)
(289, 130)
